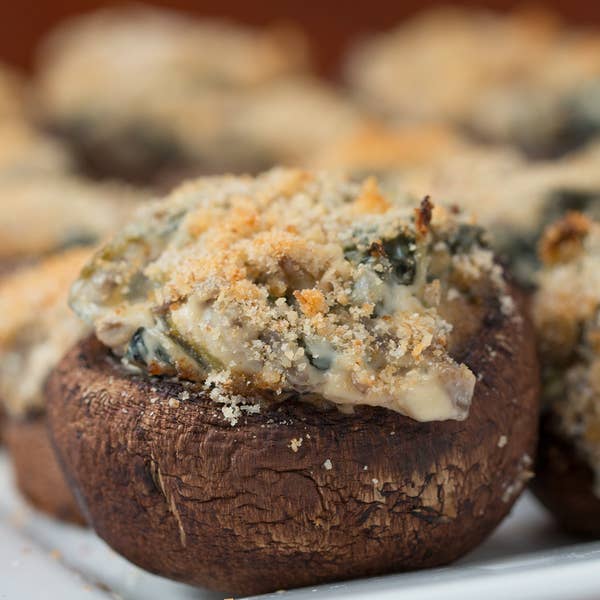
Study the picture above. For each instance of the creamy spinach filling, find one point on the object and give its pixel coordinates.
(295, 282)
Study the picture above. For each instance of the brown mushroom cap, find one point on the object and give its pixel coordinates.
(249, 509)
(564, 483)
(38, 475)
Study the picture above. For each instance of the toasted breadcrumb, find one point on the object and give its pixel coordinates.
(276, 286)
(374, 148)
(563, 241)
(295, 444)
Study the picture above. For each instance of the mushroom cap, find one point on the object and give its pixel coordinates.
(37, 472)
(295, 494)
(564, 483)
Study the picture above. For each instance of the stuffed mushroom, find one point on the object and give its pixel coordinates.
(147, 94)
(511, 197)
(524, 78)
(295, 378)
(566, 310)
(36, 329)
(375, 148)
(53, 211)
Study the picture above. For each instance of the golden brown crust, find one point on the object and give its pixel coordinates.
(564, 483)
(294, 281)
(294, 495)
(565, 311)
(28, 294)
(38, 475)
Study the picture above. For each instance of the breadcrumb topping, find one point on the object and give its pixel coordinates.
(293, 284)
(508, 195)
(295, 444)
(566, 312)
(36, 328)
(514, 199)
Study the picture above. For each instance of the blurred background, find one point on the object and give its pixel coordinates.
(331, 26)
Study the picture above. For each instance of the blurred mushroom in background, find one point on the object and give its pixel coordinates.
(525, 79)
(36, 329)
(146, 94)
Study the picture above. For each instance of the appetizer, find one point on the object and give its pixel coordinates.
(49, 212)
(514, 199)
(12, 96)
(295, 378)
(146, 94)
(524, 78)
(566, 311)
(36, 329)
(46, 210)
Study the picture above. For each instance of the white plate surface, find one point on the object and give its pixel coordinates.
(526, 558)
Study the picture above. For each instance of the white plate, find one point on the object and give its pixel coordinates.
(526, 558)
